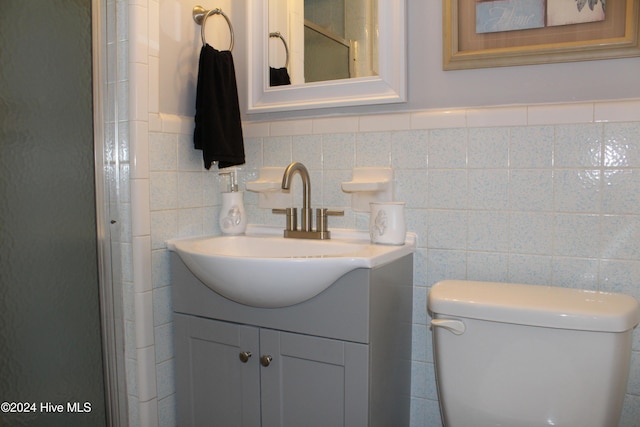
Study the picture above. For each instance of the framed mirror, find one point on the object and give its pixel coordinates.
(361, 65)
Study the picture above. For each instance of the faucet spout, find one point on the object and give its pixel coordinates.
(306, 190)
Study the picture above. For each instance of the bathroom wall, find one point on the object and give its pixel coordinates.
(545, 194)
(532, 192)
(429, 87)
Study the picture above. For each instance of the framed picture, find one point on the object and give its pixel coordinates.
(498, 33)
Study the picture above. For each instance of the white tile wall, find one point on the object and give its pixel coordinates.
(533, 203)
(140, 351)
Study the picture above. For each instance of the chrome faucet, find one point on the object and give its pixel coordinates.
(306, 232)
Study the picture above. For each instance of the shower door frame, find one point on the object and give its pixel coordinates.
(108, 223)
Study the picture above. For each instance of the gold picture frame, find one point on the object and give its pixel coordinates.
(617, 36)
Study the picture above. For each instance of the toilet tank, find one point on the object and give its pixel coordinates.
(524, 355)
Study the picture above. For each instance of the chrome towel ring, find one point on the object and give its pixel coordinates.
(200, 15)
(286, 48)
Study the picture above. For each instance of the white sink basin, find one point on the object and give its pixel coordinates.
(263, 269)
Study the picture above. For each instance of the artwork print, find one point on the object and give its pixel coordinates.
(511, 15)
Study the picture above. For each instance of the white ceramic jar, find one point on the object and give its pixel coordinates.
(387, 223)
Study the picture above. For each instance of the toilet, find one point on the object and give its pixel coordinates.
(517, 355)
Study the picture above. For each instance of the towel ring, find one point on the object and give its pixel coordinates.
(200, 15)
(284, 42)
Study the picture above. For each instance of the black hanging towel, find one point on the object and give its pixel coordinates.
(279, 76)
(218, 131)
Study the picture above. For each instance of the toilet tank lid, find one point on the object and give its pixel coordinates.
(534, 305)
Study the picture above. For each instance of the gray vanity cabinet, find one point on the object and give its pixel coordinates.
(212, 381)
(238, 375)
(340, 359)
(312, 381)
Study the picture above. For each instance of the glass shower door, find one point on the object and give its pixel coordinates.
(51, 368)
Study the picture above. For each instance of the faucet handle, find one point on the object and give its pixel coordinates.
(292, 217)
(321, 217)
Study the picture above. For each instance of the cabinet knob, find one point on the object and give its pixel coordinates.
(266, 360)
(244, 356)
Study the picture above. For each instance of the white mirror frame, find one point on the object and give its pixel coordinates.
(388, 87)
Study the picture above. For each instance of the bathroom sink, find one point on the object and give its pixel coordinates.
(263, 269)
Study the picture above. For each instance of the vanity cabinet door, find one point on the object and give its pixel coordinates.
(214, 384)
(312, 382)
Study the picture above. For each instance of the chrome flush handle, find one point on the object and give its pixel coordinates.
(457, 327)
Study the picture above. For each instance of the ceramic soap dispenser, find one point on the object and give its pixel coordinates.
(233, 217)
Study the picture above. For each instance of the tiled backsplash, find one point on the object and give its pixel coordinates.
(544, 194)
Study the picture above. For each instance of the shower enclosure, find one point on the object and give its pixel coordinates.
(340, 39)
(60, 297)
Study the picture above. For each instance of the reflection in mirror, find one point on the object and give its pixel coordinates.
(280, 76)
(329, 53)
(329, 39)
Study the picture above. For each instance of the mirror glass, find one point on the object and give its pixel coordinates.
(325, 53)
(320, 40)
